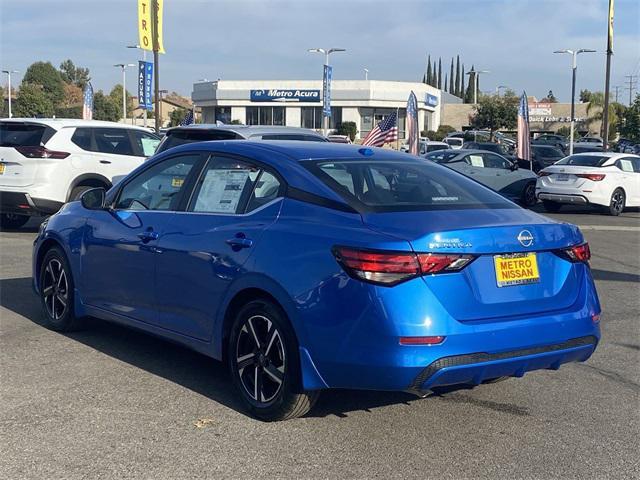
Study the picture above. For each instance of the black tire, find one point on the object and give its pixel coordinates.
(551, 207)
(56, 292)
(617, 202)
(12, 220)
(77, 192)
(528, 197)
(264, 364)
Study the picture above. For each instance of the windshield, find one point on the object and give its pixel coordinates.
(441, 156)
(14, 134)
(392, 186)
(584, 160)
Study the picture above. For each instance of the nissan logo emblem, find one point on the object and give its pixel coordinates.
(525, 238)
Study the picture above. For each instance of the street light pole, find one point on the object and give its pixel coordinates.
(499, 87)
(124, 66)
(9, 72)
(144, 59)
(366, 74)
(326, 52)
(574, 68)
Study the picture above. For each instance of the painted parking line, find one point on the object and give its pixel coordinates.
(609, 228)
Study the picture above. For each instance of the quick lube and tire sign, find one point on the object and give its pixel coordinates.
(280, 95)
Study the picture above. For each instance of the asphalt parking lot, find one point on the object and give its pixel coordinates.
(109, 402)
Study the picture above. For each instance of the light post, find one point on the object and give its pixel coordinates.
(9, 72)
(326, 52)
(159, 112)
(124, 66)
(499, 87)
(476, 74)
(574, 68)
(144, 59)
(366, 74)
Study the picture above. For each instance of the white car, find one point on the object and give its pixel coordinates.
(610, 180)
(426, 146)
(45, 163)
(454, 142)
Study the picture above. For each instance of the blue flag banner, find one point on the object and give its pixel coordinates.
(326, 90)
(145, 80)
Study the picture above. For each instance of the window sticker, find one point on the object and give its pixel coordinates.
(476, 161)
(626, 166)
(149, 146)
(221, 191)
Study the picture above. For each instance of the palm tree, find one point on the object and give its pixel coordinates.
(595, 113)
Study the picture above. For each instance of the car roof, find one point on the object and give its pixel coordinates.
(58, 123)
(247, 131)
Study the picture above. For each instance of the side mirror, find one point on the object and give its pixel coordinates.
(514, 167)
(93, 199)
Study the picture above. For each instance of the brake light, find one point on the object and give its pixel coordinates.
(421, 340)
(594, 177)
(544, 174)
(577, 253)
(391, 268)
(40, 152)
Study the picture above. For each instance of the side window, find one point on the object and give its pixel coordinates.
(474, 160)
(625, 164)
(266, 189)
(159, 187)
(224, 186)
(636, 165)
(340, 174)
(494, 161)
(145, 142)
(113, 140)
(82, 138)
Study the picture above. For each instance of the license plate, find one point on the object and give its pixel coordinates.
(1, 168)
(516, 269)
(562, 177)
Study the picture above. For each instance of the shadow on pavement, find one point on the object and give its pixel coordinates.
(180, 365)
(608, 275)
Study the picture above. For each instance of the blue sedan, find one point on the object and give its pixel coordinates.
(312, 266)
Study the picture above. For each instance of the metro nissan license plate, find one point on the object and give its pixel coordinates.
(516, 269)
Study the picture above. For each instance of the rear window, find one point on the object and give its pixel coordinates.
(175, 138)
(441, 156)
(583, 160)
(403, 186)
(433, 148)
(293, 136)
(14, 134)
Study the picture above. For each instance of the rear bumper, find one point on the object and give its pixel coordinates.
(476, 368)
(563, 198)
(23, 204)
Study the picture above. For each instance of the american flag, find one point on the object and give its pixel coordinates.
(524, 138)
(385, 131)
(412, 123)
(188, 119)
(87, 102)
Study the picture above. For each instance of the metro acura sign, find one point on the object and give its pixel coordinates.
(277, 95)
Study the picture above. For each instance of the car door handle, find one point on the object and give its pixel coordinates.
(239, 242)
(148, 235)
(106, 162)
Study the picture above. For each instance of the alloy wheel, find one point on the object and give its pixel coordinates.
(530, 194)
(617, 201)
(55, 289)
(260, 359)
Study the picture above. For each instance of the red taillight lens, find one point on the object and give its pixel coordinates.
(577, 253)
(421, 340)
(595, 177)
(40, 152)
(543, 174)
(390, 268)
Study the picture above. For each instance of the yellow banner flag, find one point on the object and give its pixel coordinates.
(145, 24)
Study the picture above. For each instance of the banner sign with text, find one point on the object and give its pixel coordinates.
(145, 80)
(431, 100)
(145, 24)
(279, 95)
(326, 90)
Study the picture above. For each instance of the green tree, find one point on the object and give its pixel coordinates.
(446, 82)
(629, 126)
(440, 73)
(429, 73)
(468, 96)
(45, 74)
(585, 96)
(461, 91)
(595, 113)
(105, 108)
(551, 97)
(176, 116)
(451, 83)
(348, 128)
(32, 101)
(116, 96)
(77, 76)
(457, 82)
(434, 79)
(494, 112)
(564, 131)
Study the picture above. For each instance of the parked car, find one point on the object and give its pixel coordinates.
(590, 141)
(47, 162)
(609, 180)
(542, 156)
(339, 138)
(205, 132)
(488, 146)
(425, 145)
(492, 170)
(586, 148)
(454, 142)
(307, 265)
(552, 140)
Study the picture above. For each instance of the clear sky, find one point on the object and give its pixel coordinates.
(268, 39)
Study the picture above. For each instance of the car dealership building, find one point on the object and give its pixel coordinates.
(298, 103)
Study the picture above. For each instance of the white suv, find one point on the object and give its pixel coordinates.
(47, 162)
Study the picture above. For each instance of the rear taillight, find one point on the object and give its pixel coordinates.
(41, 152)
(594, 177)
(543, 174)
(577, 253)
(391, 268)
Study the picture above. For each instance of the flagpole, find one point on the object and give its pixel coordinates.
(398, 123)
(156, 56)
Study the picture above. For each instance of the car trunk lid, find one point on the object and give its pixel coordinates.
(18, 141)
